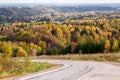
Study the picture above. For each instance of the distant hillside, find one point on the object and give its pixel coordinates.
(28, 11)
(25, 14)
(83, 8)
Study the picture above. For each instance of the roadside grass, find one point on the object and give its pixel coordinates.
(108, 57)
(10, 67)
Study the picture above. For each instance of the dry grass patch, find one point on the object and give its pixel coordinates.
(10, 67)
(111, 57)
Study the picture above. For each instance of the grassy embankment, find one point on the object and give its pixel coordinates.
(10, 67)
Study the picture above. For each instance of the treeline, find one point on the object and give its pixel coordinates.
(74, 36)
(23, 49)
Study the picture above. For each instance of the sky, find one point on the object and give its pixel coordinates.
(60, 1)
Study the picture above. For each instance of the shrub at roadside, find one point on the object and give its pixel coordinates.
(21, 53)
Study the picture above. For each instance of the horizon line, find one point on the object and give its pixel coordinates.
(58, 3)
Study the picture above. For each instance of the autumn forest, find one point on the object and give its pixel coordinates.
(68, 37)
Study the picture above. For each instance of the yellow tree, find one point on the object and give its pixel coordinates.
(106, 46)
(21, 52)
(21, 44)
(7, 51)
(42, 44)
(115, 45)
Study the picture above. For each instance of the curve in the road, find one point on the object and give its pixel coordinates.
(76, 70)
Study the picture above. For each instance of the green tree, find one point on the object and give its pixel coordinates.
(78, 48)
(89, 47)
(55, 51)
